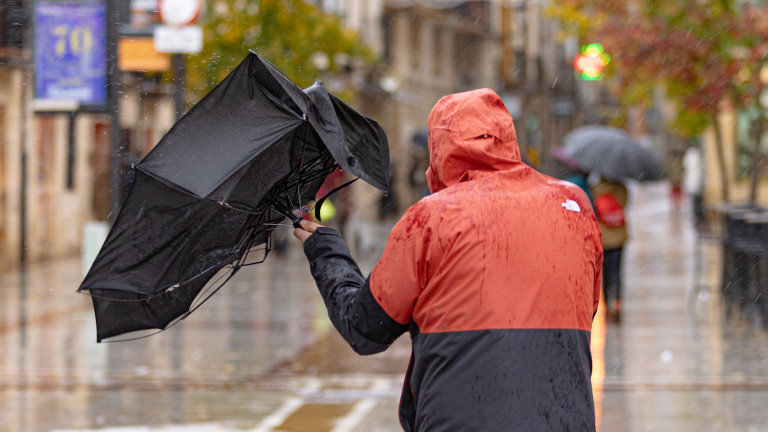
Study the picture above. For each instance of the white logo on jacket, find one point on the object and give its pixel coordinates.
(571, 205)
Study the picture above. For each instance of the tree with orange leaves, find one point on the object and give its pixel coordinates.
(704, 53)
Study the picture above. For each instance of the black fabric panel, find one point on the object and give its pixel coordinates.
(364, 158)
(370, 320)
(164, 247)
(351, 306)
(253, 107)
(120, 312)
(502, 380)
(407, 409)
(232, 124)
(163, 237)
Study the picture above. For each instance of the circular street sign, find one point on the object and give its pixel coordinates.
(179, 13)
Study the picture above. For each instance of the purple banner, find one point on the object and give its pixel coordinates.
(70, 51)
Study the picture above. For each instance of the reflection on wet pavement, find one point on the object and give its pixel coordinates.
(260, 354)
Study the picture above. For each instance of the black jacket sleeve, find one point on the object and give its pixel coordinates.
(352, 308)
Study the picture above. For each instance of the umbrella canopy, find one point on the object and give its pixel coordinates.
(252, 151)
(611, 153)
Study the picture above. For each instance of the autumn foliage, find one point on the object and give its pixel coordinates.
(702, 52)
(294, 35)
(705, 55)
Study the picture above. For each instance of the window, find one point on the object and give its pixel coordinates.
(746, 125)
(14, 19)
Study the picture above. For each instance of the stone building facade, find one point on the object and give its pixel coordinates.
(56, 164)
(56, 159)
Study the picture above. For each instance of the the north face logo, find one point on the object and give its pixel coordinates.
(571, 205)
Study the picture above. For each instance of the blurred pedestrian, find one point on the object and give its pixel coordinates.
(579, 178)
(363, 217)
(417, 172)
(610, 199)
(496, 275)
(675, 173)
(693, 181)
(570, 171)
(388, 200)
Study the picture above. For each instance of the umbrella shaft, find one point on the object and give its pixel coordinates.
(287, 213)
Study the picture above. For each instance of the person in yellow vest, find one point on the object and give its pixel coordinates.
(610, 199)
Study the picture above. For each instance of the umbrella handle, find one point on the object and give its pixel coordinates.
(320, 202)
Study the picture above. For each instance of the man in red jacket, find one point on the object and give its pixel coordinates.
(496, 275)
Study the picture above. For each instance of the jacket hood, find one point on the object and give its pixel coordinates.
(470, 134)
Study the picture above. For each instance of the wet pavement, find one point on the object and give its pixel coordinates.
(260, 354)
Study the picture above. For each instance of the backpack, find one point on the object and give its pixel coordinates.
(609, 211)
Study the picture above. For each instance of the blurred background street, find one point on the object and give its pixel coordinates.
(260, 356)
(89, 87)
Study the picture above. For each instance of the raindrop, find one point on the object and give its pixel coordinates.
(666, 356)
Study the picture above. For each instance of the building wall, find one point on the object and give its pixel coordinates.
(427, 53)
(433, 53)
(537, 80)
(364, 17)
(58, 192)
(67, 165)
(12, 128)
(738, 187)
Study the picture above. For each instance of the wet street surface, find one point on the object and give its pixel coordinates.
(261, 355)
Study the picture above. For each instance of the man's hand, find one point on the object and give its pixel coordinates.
(307, 228)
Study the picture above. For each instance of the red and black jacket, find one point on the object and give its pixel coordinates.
(496, 275)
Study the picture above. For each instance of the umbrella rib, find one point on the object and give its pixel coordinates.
(304, 143)
(176, 321)
(131, 339)
(267, 249)
(294, 179)
(208, 296)
(219, 264)
(316, 172)
(246, 248)
(301, 161)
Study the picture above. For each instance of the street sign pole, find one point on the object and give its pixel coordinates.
(177, 36)
(178, 65)
(113, 87)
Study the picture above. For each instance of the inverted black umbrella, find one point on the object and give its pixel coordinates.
(207, 197)
(612, 153)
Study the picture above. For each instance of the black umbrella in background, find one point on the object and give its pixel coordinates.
(254, 150)
(611, 153)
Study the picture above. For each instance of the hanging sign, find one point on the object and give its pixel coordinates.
(177, 34)
(179, 13)
(178, 40)
(70, 52)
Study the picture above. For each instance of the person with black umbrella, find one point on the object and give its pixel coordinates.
(614, 156)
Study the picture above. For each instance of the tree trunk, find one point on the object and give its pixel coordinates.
(756, 160)
(725, 185)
